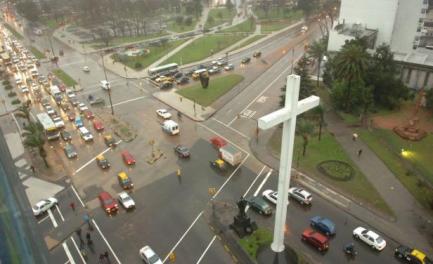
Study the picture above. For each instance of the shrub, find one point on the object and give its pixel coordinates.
(138, 65)
(188, 21)
(16, 101)
(6, 82)
(8, 87)
(179, 20)
(12, 94)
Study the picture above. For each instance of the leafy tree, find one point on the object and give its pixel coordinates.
(229, 5)
(34, 137)
(28, 9)
(318, 114)
(307, 6)
(301, 69)
(350, 65)
(210, 20)
(305, 129)
(317, 50)
(220, 15)
(188, 21)
(179, 20)
(24, 112)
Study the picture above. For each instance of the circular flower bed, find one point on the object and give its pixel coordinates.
(336, 170)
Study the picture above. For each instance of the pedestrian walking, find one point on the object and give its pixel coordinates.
(101, 258)
(89, 242)
(32, 168)
(107, 257)
(88, 236)
(72, 205)
(359, 153)
(354, 136)
(78, 232)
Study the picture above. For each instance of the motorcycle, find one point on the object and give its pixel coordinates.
(349, 249)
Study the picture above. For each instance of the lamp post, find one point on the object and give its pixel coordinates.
(107, 84)
(126, 75)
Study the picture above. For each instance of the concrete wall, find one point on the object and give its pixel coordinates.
(406, 23)
(336, 40)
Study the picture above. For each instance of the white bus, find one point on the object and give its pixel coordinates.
(163, 68)
(50, 128)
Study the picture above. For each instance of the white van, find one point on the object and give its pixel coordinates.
(85, 134)
(104, 84)
(170, 127)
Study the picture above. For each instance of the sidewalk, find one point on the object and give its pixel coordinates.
(400, 230)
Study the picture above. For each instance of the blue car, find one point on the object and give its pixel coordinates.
(78, 122)
(323, 225)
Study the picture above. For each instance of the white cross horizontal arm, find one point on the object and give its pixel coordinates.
(284, 114)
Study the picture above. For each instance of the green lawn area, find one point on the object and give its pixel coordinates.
(275, 25)
(13, 31)
(248, 41)
(248, 26)
(218, 16)
(49, 22)
(155, 54)
(278, 19)
(260, 238)
(179, 28)
(411, 170)
(276, 13)
(328, 148)
(38, 54)
(217, 87)
(64, 77)
(128, 39)
(203, 47)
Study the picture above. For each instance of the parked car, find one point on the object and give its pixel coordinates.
(102, 162)
(323, 225)
(270, 195)
(43, 205)
(126, 201)
(411, 256)
(182, 151)
(58, 122)
(370, 238)
(128, 158)
(163, 113)
(98, 126)
(166, 85)
(108, 203)
(317, 240)
(245, 60)
(259, 205)
(300, 195)
(88, 114)
(149, 256)
(183, 80)
(70, 151)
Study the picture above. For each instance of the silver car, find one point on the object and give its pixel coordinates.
(300, 195)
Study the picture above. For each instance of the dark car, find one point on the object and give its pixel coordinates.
(178, 75)
(166, 85)
(70, 151)
(257, 54)
(183, 80)
(201, 66)
(259, 205)
(102, 162)
(411, 256)
(66, 136)
(246, 60)
(189, 73)
(154, 77)
(317, 240)
(323, 225)
(182, 151)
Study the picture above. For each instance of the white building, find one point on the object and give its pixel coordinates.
(401, 24)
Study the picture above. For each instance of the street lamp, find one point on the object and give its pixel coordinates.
(126, 75)
(107, 84)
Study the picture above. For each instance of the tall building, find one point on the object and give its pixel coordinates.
(405, 25)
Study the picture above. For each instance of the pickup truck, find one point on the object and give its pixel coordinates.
(231, 155)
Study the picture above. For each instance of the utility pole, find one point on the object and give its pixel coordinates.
(293, 60)
(107, 84)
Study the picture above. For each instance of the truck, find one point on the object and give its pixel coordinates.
(230, 154)
(50, 129)
(55, 90)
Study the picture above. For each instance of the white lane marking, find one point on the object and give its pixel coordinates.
(106, 242)
(183, 236)
(263, 182)
(127, 101)
(68, 253)
(229, 178)
(90, 161)
(241, 134)
(60, 213)
(43, 219)
(216, 133)
(78, 250)
(67, 262)
(251, 185)
(207, 248)
(53, 220)
(76, 193)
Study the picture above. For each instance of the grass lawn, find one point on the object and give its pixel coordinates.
(64, 77)
(218, 16)
(260, 238)
(329, 149)
(155, 54)
(275, 25)
(279, 19)
(217, 87)
(13, 31)
(203, 47)
(49, 22)
(129, 39)
(179, 28)
(38, 54)
(277, 13)
(248, 41)
(248, 26)
(411, 170)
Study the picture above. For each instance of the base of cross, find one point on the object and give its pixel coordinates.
(268, 256)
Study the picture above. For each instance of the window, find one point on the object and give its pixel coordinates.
(424, 10)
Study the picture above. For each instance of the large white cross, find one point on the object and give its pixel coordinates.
(287, 116)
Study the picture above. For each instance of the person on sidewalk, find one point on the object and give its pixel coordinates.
(107, 257)
(359, 153)
(72, 205)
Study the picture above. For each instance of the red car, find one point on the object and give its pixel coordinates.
(98, 126)
(128, 158)
(88, 114)
(71, 116)
(108, 203)
(218, 142)
(315, 239)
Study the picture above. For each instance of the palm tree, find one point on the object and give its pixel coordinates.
(319, 115)
(304, 128)
(351, 65)
(24, 112)
(317, 50)
(34, 137)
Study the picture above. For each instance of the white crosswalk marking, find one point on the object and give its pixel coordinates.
(248, 113)
(262, 99)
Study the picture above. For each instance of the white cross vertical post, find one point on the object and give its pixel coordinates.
(287, 115)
